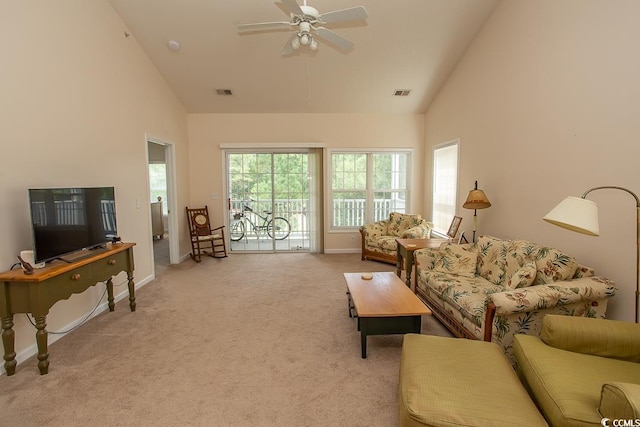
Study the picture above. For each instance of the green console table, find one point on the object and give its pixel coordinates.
(38, 292)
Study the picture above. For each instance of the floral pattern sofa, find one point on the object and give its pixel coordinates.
(494, 289)
(379, 238)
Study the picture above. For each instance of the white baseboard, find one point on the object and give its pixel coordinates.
(342, 251)
(51, 338)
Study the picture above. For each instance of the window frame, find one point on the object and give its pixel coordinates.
(369, 190)
(441, 229)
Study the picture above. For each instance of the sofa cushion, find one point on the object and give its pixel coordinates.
(620, 401)
(467, 295)
(456, 259)
(553, 265)
(443, 382)
(385, 242)
(614, 338)
(523, 277)
(499, 259)
(399, 222)
(492, 259)
(558, 381)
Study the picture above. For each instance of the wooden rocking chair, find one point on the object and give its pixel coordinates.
(203, 236)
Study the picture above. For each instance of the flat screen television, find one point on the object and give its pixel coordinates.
(68, 220)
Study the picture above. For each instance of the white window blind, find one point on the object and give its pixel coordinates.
(445, 185)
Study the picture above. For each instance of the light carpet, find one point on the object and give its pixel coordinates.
(249, 340)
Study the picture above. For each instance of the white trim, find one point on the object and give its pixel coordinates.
(172, 195)
(342, 251)
(271, 145)
(328, 191)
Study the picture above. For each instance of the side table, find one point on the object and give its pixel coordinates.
(406, 247)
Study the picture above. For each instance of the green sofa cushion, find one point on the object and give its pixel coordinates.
(460, 382)
(600, 337)
(620, 401)
(567, 385)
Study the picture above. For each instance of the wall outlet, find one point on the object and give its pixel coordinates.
(353, 239)
(214, 195)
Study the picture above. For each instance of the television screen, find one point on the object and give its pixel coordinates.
(66, 220)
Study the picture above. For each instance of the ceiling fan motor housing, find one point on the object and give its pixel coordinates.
(311, 14)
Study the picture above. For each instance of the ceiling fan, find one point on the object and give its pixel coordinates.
(307, 23)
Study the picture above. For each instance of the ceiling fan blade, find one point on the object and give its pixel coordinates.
(288, 49)
(293, 7)
(351, 14)
(264, 25)
(338, 41)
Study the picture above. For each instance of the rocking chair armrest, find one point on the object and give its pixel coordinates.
(218, 228)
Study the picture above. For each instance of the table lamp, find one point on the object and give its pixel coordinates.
(581, 215)
(476, 200)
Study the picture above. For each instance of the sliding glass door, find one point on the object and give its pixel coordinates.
(273, 202)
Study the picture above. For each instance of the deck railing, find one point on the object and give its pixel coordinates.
(346, 212)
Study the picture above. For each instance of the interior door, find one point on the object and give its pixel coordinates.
(269, 201)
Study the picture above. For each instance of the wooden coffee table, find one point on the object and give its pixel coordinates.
(383, 305)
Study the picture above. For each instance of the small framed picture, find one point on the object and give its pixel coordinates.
(453, 228)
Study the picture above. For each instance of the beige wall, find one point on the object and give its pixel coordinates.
(208, 131)
(77, 99)
(546, 104)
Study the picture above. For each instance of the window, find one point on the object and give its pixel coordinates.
(158, 184)
(367, 186)
(445, 185)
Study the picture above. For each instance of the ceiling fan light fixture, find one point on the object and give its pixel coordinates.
(306, 21)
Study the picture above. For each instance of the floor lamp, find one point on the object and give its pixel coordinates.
(476, 200)
(581, 215)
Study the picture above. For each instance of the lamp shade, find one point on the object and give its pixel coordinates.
(575, 214)
(476, 200)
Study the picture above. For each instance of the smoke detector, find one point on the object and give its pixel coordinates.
(173, 45)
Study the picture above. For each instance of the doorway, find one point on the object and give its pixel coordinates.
(160, 201)
(274, 200)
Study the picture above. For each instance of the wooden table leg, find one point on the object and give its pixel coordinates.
(8, 341)
(363, 336)
(112, 305)
(132, 291)
(41, 340)
(408, 264)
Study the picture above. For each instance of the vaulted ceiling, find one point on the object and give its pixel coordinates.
(403, 44)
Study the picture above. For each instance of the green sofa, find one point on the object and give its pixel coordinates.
(582, 370)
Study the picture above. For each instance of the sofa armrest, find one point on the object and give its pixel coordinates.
(425, 258)
(374, 229)
(600, 337)
(620, 401)
(422, 231)
(554, 294)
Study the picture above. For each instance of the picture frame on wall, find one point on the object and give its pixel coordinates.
(453, 228)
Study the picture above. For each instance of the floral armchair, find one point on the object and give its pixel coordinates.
(379, 238)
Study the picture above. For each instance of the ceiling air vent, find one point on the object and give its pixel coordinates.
(401, 92)
(224, 92)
